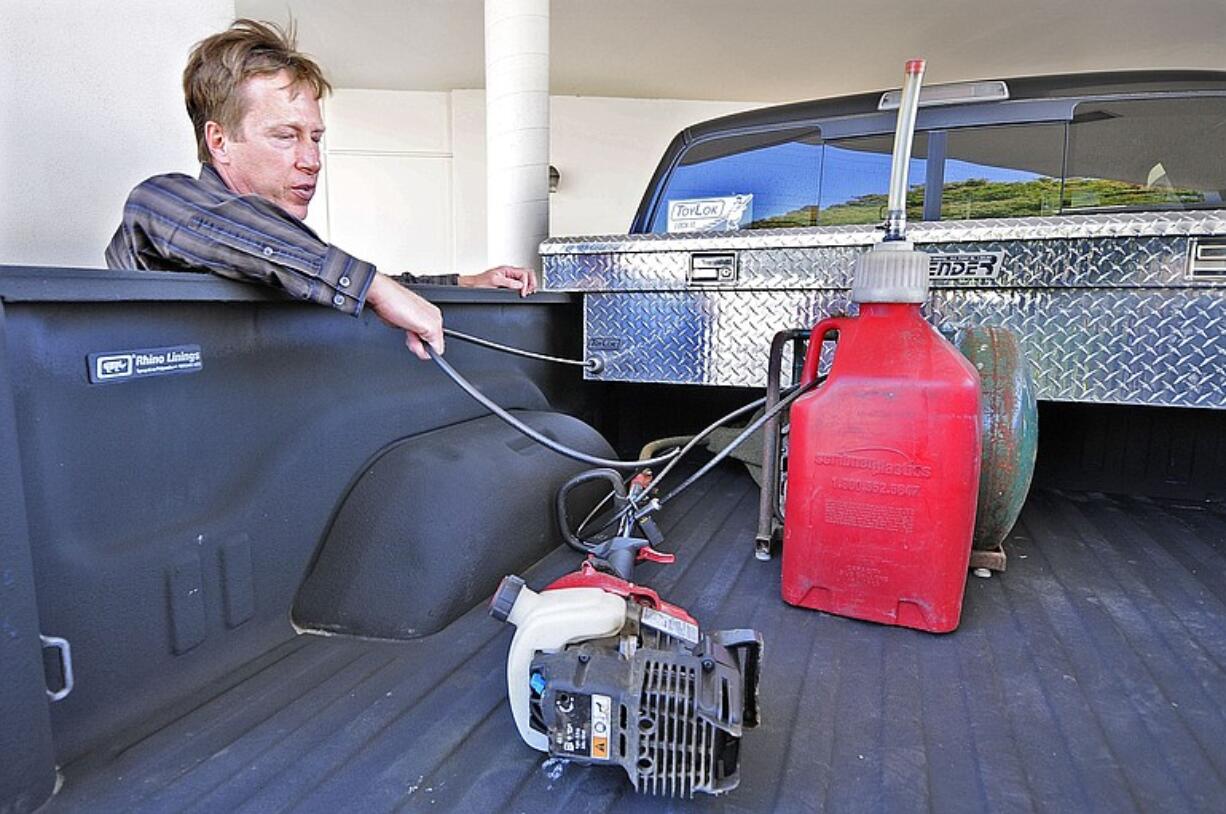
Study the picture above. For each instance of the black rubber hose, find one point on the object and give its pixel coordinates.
(561, 449)
(689, 446)
(711, 464)
(619, 490)
(592, 364)
(740, 439)
(710, 428)
(671, 460)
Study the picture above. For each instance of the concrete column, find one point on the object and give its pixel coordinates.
(516, 129)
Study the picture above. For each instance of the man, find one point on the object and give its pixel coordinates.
(254, 103)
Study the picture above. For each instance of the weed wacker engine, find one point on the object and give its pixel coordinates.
(602, 671)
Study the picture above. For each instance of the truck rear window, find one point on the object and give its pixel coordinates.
(856, 179)
(1114, 156)
(1009, 171)
(1134, 155)
(778, 173)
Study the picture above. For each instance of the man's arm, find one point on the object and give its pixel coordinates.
(397, 306)
(177, 222)
(174, 221)
(513, 277)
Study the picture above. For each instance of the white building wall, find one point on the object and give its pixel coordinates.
(386, 193)
(405, 170)
(91, 103)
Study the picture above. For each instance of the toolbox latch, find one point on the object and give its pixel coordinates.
(1207, 259)
(712, 268)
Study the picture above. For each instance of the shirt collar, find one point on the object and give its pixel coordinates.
(212, 179)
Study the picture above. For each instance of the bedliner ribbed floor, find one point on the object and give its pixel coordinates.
(1090, 677)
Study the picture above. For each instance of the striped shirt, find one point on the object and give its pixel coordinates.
(178, 223)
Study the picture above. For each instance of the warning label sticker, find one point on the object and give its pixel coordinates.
(584, 725)
(573, 734)
(870, 516)
(674, 626)
(601, 705)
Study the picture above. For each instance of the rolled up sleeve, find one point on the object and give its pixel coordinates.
(406, 279)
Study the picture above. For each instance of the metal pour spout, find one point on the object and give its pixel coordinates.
(904, 135)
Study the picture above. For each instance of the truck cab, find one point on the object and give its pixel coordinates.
(1025, 148)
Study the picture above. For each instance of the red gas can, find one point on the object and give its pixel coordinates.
(883, 473)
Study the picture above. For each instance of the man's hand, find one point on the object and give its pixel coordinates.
(401, 308)
(515, 277)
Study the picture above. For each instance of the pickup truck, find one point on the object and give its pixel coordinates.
(246, 546)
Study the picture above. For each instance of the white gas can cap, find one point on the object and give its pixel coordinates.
(891, 271)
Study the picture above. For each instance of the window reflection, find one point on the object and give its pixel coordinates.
(1001, 172)
(856, 180)
(779, 170)
(1138, 154)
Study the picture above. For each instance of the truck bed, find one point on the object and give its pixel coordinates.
(1088, 677)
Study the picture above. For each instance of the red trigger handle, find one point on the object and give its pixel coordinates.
(649, 554)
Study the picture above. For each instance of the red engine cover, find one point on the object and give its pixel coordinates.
(883, 474)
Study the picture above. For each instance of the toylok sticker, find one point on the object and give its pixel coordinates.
(722, 214)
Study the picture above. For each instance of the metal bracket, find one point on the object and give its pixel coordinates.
(991, 559)
(65, 649)
(768, 501)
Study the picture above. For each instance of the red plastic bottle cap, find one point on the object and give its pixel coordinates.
(914, 66)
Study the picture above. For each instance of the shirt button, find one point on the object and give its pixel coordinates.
(338, 300)
(268, 251)
(344, 281)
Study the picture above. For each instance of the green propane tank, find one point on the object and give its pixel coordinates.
(1010, 430)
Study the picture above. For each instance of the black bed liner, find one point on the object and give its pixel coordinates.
(1089, 677)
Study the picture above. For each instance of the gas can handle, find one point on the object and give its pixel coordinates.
(814, 354)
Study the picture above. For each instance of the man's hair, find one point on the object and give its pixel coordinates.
(218, 66)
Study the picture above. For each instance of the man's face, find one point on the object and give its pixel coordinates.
(275, 153)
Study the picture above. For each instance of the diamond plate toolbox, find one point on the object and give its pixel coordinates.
(1122, 308)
